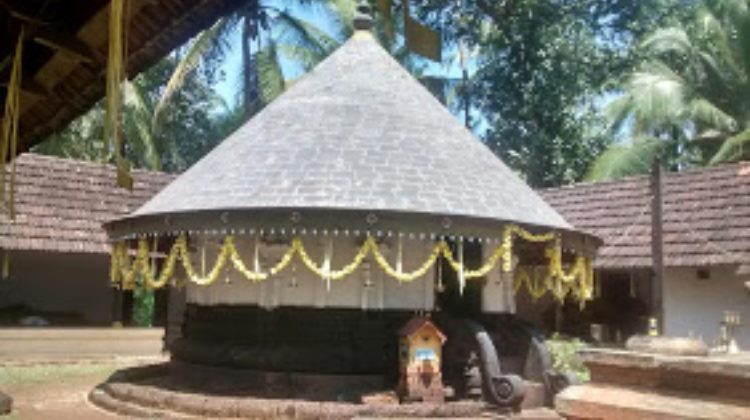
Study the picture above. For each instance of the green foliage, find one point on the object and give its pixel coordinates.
(188, 129)
(565, 357)
(143, 306)
(543, 66)
(539, 72)
(691, 90)
(81, 139)
(626, 160)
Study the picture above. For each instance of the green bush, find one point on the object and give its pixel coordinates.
(565, 357)
(143, 306)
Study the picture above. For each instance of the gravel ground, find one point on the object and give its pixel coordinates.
(56, 390)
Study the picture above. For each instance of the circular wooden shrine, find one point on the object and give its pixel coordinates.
(303, 243)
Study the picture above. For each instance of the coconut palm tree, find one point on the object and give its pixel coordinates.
(689, 101)
(269, 34)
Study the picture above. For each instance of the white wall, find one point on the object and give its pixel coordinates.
(311, 291)
(498, 295)
(696, 306)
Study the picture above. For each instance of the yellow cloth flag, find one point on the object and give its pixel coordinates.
(421, 39)
(12, 111)
(115, 76)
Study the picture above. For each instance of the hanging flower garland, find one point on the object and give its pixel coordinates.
(578, 280)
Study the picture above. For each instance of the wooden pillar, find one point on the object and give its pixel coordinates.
(128, 299)
(657, 244)
(175, 315)
(122, 307)
(161, 302)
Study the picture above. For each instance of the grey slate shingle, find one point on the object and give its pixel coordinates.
(357, 133)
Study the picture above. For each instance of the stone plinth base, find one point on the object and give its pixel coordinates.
(167, 391)
(179, 390)
(265, 384)
(627, 384)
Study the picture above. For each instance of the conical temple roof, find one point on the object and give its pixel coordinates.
(357, 134)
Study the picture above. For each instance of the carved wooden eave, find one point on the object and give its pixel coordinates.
(64, 63)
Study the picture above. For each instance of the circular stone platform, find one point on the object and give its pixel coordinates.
(159, 390)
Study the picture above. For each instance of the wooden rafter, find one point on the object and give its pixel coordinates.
(31, 87)
(67, 40)
(68, 44)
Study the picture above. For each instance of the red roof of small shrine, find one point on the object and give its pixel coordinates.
(416, 324)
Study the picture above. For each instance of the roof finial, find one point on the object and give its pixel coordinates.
(363, 16)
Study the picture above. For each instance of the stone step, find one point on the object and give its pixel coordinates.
(596, 401)
(535, 394)
(536, 414)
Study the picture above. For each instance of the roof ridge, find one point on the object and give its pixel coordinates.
(705, 214)
(31, 157)
(673, 174)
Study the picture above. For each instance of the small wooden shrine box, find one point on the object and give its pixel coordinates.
(420, 353)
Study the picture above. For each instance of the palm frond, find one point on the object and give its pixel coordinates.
(733, 148)
(669, 40)
(202, 43)
(140, 117)
(618, 112)
(625, 160)
(270, 74)
(708, 114)
(658, 96)
(302, 34)
(303, 57)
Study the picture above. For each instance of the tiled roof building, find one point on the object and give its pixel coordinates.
(57, 249)
(61, 204)
(706, 217)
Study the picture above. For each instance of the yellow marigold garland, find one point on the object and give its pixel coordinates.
(578, 281)
(321, 270)
(401, 276)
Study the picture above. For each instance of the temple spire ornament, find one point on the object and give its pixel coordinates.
(363, 16)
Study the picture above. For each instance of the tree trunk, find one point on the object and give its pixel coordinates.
(247, 99)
